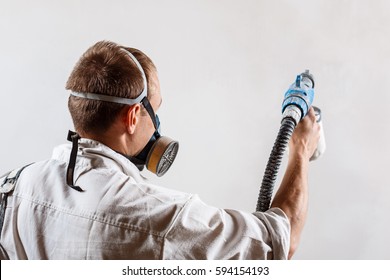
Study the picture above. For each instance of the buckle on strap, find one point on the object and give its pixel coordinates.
(10, 181)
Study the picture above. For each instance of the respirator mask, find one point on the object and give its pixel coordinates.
(160, 152)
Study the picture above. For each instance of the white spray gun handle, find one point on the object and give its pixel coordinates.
(321, 146)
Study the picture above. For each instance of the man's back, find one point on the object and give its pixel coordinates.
(48, 219)
(118, 215)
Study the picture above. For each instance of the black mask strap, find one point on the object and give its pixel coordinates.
(149, 109)
(74, 138)
(140, 164)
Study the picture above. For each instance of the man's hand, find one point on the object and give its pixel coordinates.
(305, 136)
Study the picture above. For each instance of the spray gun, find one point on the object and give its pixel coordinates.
(296, 104)
(298, 97)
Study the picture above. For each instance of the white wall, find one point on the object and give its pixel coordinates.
(224, 67)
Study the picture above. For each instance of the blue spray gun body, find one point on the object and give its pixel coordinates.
(296, 104)
(299, 97)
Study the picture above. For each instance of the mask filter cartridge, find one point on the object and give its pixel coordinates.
(161, 155)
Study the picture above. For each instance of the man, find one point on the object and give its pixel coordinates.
(90, 201)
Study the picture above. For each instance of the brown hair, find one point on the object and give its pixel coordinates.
(105, 68)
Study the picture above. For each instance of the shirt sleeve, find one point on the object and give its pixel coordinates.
(201, 231)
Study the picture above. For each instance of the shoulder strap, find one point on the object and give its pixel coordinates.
(6, 187)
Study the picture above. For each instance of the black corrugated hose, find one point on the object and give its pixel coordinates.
(275, 159)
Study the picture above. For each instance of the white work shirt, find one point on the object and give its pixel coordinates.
(122, 216)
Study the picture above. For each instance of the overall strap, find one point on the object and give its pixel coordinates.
(6, 187)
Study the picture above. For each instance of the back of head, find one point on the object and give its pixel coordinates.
(105, 68)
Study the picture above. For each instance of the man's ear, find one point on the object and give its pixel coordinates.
(132, 117)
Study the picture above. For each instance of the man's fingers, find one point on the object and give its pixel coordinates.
(312, 114)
